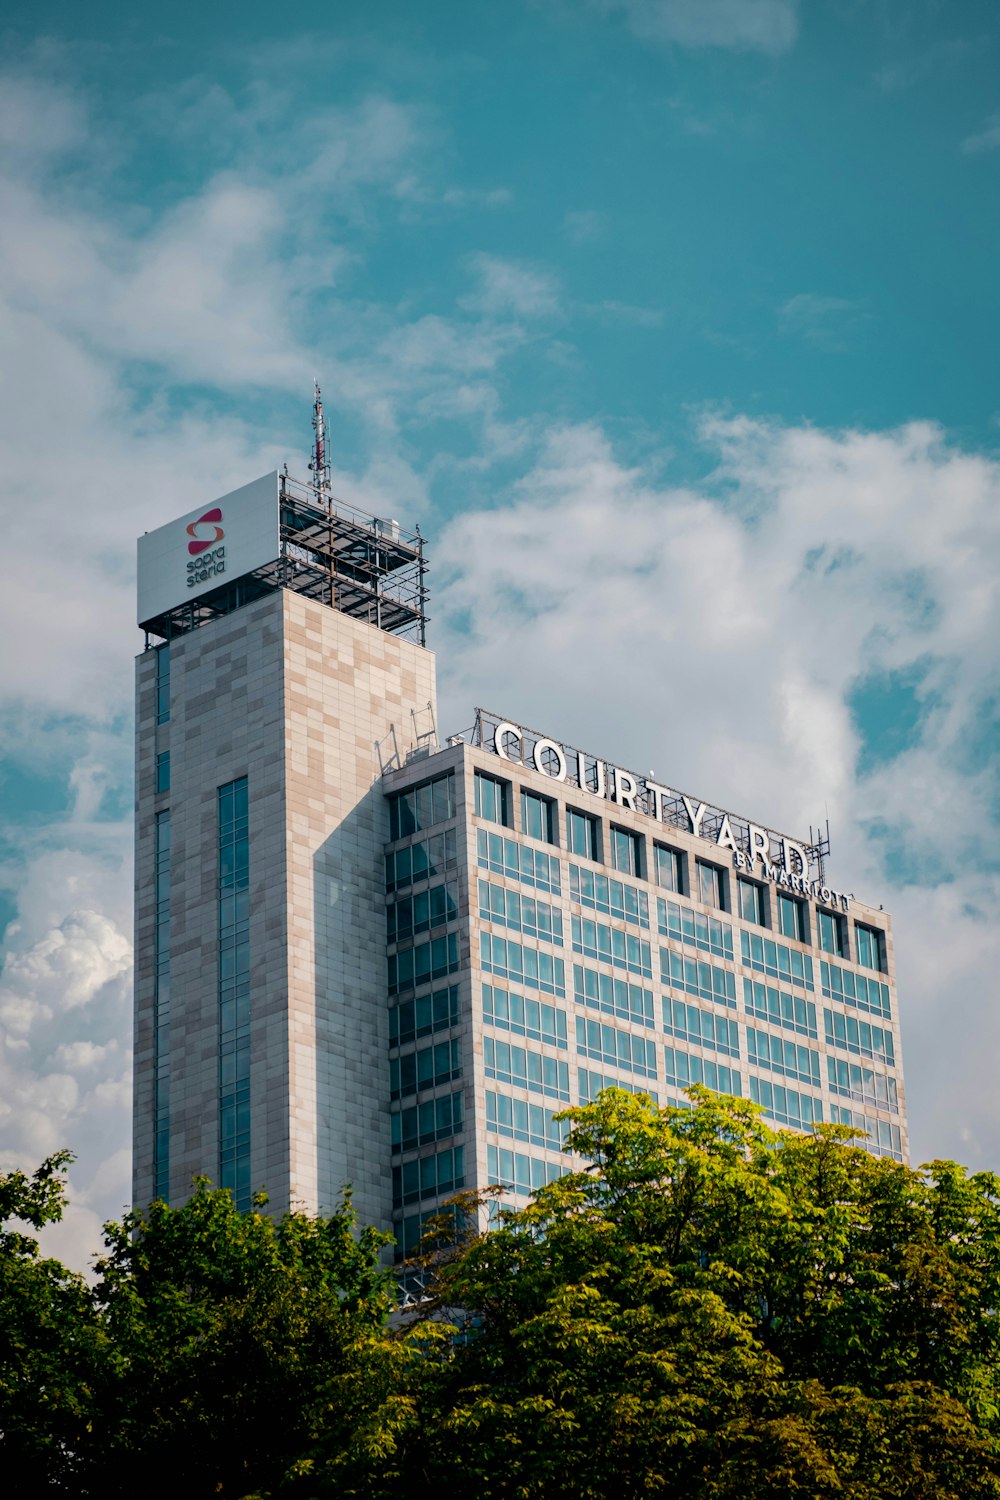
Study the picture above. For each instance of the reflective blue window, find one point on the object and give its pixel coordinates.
(234, 991)
(161, 1012)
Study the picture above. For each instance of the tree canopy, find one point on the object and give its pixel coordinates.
(709, 1309)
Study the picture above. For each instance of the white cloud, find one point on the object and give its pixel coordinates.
(744, 25)
(826, 322)
(716, 637)
(507, 287)
(987, 138)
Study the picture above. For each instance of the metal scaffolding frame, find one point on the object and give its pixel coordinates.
(362, 565)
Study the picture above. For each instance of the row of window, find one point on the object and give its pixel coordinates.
(616, 997)
(509, 960)
(710, 883)
(428, 1176)
(613, 897)
(519, 862)
(523, 1016)
(440, 1062)
(614, 1048)
(610, 945)
(422, 860)
(523, 1068)
(434, 959)
(422, 1124)
(506, 908)
(411, 1019)
(409, 915)
(531, 1123)
(420, 807)
(694, 928)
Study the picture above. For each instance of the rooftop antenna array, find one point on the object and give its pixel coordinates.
(319, 465)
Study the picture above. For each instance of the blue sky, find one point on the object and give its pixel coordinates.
(672, 322)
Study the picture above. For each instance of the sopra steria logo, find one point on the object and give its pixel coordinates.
(211, 558)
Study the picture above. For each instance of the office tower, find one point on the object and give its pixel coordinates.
(364, 957)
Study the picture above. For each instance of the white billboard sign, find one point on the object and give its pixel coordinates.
(208, 547)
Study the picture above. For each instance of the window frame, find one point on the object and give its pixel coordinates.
(801, 909)
(679, 860)
(841, 951)
(505, 793)
(721, 884)
(635, 841)
(594, 824)
(550, 817)
(762, 914)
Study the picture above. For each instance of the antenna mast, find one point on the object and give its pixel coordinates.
(320, 463)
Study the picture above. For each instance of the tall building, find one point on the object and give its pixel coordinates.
(364, 957)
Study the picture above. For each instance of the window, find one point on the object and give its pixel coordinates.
(522, 1068)
(234, 991)
(161, 1010)
(686, 1068)
(711, 884)
(492, 799)
(854, 989)
(538, 817)
(531, 1123)
(429, 1013)
(518, 1172)
(831, 932)
(427, 1176)
(162, 684)
(786, 1106)
(422, 806)
(694, 928)
(518, 861)
(411, 967)
(421, 860)
(432, 907)
(669, 868)
(590, 1085)
(613, 897)
(775, 960)
(871, 947)
(617, 1049)
(625, 854)
(751, 902)
(440, 1062)
(523, 1016)
(792, 918)
(581, 833)
(423, 1124)
(163, 771)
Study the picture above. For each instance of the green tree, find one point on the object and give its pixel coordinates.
(716, 1309)
(51, 1343)
(238, 1341)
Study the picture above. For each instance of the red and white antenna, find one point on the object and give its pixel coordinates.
(320, 465)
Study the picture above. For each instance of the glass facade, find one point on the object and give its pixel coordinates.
(161, 1011)
(163, 684)
(732, 1005)
(234, 990)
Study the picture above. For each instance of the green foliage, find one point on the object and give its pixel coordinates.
(51, 1342)
(716, 1309)
(711, 1310)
